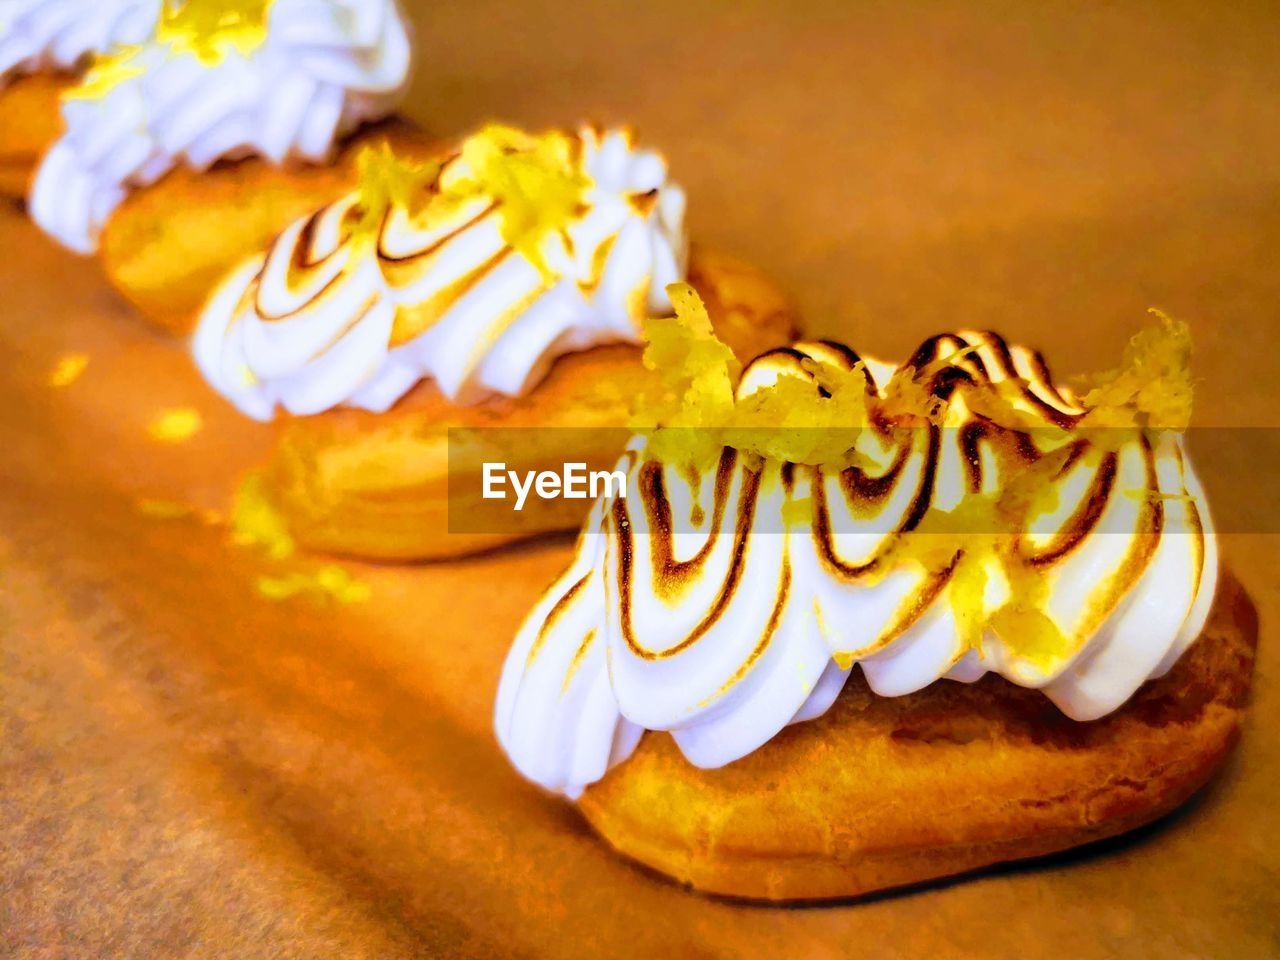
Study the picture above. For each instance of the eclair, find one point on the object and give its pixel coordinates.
(501, 285)
(43, 46)
(184, 152)
(855, 625)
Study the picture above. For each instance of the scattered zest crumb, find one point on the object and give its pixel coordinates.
(157, 509)
(255, 521)
(68, 369)
(176, 425)
(327, 583)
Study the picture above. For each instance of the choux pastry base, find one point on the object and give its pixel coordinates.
(376, 485)
(169, 244)
(884, 792)
(30, 121)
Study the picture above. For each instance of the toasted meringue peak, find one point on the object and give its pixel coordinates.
(217, 79)
(976, 524)
(475, 271)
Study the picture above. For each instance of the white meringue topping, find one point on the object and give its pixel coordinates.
(218, 79)
(58, 34)
(723, 604)
(437, 285)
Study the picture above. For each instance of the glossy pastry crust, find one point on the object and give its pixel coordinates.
(30, 121)
(883, 792)
(167, 246)
(376, 485)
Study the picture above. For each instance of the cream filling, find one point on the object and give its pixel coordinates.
(322, 68)
(312, 339)
(745, 638)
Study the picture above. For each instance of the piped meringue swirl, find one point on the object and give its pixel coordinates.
(59, 34)
(218, 79)
(475, 279)
(724, 604)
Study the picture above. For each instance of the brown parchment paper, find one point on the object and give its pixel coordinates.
(187, 770)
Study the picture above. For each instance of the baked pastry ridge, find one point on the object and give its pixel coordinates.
(883, 792)
(974, 518)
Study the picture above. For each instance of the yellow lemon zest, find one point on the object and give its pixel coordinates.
(156, 508)
(980, 534)
(537, 182)
(693, 376)
(907, 399)
(211, 29)
(797, 512)
(327, 583)
(1152, 387)
(164, 509)
(792, 421)
(282, 587)
(175, 425)
(689, 410)
(387, 182)
(337, 582)
(68, 369)
(257, 522)
(106, 72)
